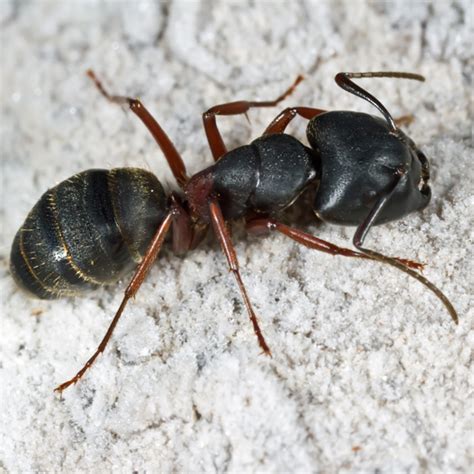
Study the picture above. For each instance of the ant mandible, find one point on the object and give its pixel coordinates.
(96, 226)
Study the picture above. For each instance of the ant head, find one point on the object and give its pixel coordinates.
(361, 157)
(414, 193)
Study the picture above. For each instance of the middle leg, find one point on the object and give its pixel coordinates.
(216, 143)
(223, 235)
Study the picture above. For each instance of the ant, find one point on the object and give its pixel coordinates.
(96, 226)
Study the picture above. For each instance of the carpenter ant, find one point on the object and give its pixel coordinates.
(96, 226)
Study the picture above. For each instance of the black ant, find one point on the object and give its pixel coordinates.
(96, 226)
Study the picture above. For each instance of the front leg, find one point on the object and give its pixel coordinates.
(283, 119)
(262, 226)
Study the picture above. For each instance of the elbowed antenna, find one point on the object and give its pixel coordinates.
(343, 80)
(364, 228)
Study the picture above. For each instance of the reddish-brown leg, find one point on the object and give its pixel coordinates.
(281, 121)
(172, 156)
(216, 143)
(132, 288)
(186, 235)
(404, 120)
(223, 235)
(183, 231)
(261, 226)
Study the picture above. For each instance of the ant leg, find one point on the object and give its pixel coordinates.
(216, 143)
(132, 288)
(186, 235)
(343, 80)
(364, 228)
(281, 121)
(262, 226)
(182, 234)
(223, 235)
(404, 120)
(172, 156)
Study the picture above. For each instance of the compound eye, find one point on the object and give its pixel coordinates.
(421, 183)
(420, 176)
(425, 167)
(419, 170)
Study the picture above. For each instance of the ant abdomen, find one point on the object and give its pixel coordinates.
(87, 231)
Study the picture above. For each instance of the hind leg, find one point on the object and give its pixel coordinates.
(172, 156)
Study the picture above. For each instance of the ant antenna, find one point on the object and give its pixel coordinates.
(343, 79)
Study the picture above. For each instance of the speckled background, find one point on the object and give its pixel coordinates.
(368, 372)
